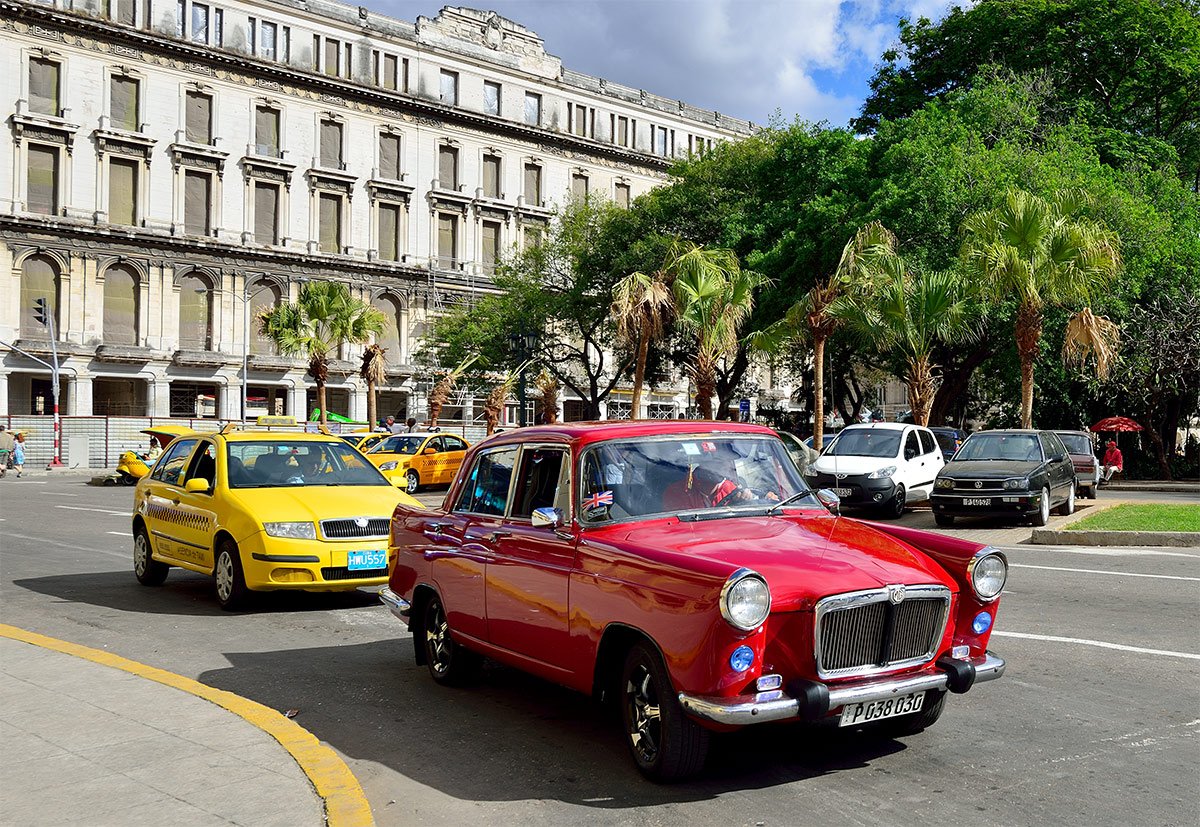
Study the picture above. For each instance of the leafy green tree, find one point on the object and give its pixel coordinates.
(325, 317)
(1039, 252)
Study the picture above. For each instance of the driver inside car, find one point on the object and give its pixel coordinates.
(711, 486)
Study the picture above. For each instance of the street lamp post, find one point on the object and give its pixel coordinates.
(522, 346)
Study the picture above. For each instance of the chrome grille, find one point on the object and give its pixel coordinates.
(863, 633)
(979, 485)
(346, 529)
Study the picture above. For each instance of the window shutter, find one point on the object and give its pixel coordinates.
(120, 307)
(491, 243)
(533, 185)
(331, 144)
(446, 239)
(623, 195)
(449, 88)
(389, 156)
(491, 98)
(579, 187)
(197, 200)
(193, 313)
(389, 231)
(448, 167)
(123, 99)
(266, 213)
(43, 180)
(389, 71)
(126, 12)
(266, 131)
(332, 52)
(39, 280)
(533, 109)
(331, 223)
(122, 187)
(199, 118)
(43, 86)
(491, 176)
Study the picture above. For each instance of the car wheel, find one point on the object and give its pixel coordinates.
(232, 593)
(147, 570)
(1043, 514)
(1068, 508)
(666, 744)
(1090, 492)
(894, 509)
(935, 703)
(449, 663)
(414, 482)
(944, 520)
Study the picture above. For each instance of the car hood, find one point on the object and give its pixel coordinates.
(803, 557)
(988, 469)
(316, 503)
(852, 466)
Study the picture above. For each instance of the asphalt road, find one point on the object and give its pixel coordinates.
(1095, 722)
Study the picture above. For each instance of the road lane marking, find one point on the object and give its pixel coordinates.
(1100, 571)
(1100, 643)
(60, 494)
(120, 533)
(345, 803)
(1103, 552)
(97, 510)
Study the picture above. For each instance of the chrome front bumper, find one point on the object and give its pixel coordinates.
(779, 705)
(399, 606)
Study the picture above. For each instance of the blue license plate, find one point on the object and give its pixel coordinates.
(374, 559)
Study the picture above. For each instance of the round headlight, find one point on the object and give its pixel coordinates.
(988, 571)
(1015, 484)
(745, 600)
(388, 466)
(944, 482)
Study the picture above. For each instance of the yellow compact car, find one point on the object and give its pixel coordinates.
(261, 511)
(363, 440)
(419, 459)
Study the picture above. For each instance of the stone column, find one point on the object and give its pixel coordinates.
(159, 402)
(79, 400)
(297, 401)
(358, 403)
(4, 393)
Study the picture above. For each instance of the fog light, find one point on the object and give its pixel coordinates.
(981, 623)
(960, 652)
(878, 498)
(741, 659)
(768, 683)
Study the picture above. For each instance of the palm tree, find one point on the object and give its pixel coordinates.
(440, 395)
(373, 372)
(816, 314)
(549, 387)
(1040, 252)
(642, 308)
(910, 314)
(713, 297)
(493, 406)
(324, 317)
(1090, 335)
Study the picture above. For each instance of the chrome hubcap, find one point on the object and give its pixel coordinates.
(140, 555)
(437, 640)
(1045, 504)
(224, 575)
(412, 484)
(645, 715)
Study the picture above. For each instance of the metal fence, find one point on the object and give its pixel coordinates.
(98, 441)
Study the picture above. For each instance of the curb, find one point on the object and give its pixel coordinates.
(342, 796)
(1060, 537)
(1164, 487)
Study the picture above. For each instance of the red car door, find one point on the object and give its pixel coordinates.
(529, 573)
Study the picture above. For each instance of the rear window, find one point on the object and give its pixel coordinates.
(1077, 443)
(945, 441)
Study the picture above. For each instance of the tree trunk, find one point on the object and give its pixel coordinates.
(318, 369)
(727, 382)
(818, 391)
(639, 372)
(956, 379)
(706, 385)
(372, 406)
(321, 403)
(920, 389)
(1029, 333)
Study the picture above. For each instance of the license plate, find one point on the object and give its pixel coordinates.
(843, 492)
(374, 559)
(864, 713)
(977, 500)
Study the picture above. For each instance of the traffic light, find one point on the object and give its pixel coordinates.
(41, 312)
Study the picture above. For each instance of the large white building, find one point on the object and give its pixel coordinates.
(175, 166)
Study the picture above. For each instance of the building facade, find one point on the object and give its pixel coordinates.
(176, 167)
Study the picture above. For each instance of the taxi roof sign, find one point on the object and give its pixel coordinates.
(277, 421)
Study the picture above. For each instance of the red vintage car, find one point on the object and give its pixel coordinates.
(686, 572)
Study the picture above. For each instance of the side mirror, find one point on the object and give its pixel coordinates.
(196, 485)
(830, 500)
(429, 451)
(546, 518)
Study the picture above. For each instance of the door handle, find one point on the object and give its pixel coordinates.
(435, 528)
(175, 500)
(499, 535)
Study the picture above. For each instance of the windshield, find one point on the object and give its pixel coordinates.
(1009, 447)
(279, 463)
(1077, 443)
(866, 442)
(403, 444)
(707, 475)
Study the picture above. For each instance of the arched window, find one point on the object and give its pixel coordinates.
(195, 313)
(264, 297)
(390, 337)
(39, 280)
(120, 306)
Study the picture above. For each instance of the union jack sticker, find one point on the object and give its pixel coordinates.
(601, 499)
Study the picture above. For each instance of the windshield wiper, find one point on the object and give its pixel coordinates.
(789, 501)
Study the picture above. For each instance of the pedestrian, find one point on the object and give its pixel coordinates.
(18, 454)
(1113, 461)
(6, 448)
(395, 427)
(411, 424)
(153, 451)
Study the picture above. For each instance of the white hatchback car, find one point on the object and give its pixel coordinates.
(881, 465)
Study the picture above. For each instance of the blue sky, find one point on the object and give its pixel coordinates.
(746, 58)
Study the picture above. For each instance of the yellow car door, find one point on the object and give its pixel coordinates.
(454, 449)
(176, 535)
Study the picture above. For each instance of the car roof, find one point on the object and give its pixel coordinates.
(588, 432)
(882, 426)
(1075, 433)
(1032, 431)
(270, 436)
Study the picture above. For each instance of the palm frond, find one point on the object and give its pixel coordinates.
(1088, 335)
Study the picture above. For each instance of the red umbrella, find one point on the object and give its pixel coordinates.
(1117, 424)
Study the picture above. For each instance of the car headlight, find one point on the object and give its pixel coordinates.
(389, 466)
(296, 531)
(943, 482)
(882, 473)
(1016, 484)
(988, 570)
(745, 600)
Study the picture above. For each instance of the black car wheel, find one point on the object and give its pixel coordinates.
(666, 744)
(894, 508)
(147, 570)
(1068, 507)
(1043, 513)
(449, 664)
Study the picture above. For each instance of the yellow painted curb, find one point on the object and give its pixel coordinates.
(345, 803)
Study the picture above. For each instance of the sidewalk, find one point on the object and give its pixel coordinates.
(86, 743)
(1172, 486)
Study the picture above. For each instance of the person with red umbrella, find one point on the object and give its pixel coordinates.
(1113, 461)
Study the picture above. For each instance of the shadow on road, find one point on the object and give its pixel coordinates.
(510, 737)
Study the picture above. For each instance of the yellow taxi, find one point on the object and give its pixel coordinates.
(261, 511)
(363, 440)
(419, 459)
